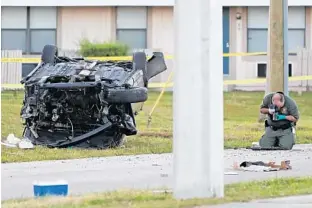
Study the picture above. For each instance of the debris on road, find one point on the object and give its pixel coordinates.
(230, 173)
(25, 144)
(13, 141)
(8, 145)
(260, 166)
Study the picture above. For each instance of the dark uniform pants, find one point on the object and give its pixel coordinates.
(279, 138)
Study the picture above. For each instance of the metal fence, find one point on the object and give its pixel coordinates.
(11, 73)
(305, 67)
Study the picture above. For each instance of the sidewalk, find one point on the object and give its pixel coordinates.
(285, 202)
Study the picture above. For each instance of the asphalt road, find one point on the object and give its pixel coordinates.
(136, 172)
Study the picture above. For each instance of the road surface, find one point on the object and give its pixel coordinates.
(137, 172)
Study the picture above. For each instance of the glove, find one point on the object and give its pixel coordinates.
(280, 117)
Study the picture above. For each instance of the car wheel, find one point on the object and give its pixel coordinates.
(118, 141)
(105, 141)
(126, 95)
(139, 63)
(48, 54)
(139, 60)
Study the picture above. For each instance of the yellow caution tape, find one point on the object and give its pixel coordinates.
(244, 54)
(233, 82)
(170, 84)
(20, 60)
(115, 58)
(12, 86)
(158, 99)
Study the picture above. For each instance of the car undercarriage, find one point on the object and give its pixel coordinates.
(73, 102)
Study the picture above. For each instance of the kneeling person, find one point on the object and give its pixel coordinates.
(282, 117)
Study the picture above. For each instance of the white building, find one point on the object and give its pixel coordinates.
(30, 24)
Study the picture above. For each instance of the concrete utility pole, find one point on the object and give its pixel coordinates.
(268, 66)
(198, 145)
(286, 51)
(262, 117)
(278, 54)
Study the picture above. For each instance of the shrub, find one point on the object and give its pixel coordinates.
(88, 49)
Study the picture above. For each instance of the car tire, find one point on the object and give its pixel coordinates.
(124, 95)
(106, 140)
(118, 141)
(139, 63)
(48, 54)
(139, 60)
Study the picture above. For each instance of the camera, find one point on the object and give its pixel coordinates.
(273, 108)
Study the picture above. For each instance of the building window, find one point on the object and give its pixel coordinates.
(42, 24)
(261, 70)
(132, 27)
(13, 28)
(28, 28)
(258, 22)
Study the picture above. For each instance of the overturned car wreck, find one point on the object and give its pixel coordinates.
(72, 102)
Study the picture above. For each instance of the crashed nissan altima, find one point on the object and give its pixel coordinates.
(73, 102)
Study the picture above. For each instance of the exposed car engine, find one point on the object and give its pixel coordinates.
(84, 103)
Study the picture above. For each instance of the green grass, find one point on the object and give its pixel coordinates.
(241, 192)
(241, 127)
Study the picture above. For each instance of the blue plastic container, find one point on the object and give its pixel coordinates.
(57, 188)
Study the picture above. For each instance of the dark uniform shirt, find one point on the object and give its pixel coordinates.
(290, 108)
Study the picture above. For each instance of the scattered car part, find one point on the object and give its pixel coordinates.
(260, 166)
